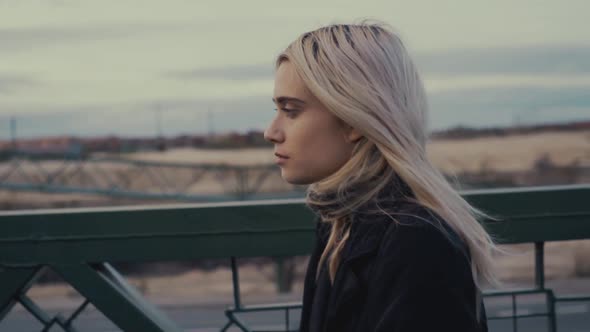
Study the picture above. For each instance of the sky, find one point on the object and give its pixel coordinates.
(113, 67)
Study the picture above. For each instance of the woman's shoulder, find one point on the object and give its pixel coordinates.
(408, 228)
(419, 233)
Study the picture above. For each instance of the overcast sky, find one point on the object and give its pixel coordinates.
(104, 67)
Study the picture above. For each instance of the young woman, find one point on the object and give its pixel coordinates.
(397, 248)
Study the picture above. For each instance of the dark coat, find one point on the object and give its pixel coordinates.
(405, 277)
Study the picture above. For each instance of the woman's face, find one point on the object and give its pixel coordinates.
(310, 143)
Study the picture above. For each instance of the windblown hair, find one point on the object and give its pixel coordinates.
(363, 75)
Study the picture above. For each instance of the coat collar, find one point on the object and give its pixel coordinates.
(365, 236)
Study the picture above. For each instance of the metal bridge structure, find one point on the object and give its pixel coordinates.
(144, 180)
(122, 178)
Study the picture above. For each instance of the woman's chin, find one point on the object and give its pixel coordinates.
(296, 179)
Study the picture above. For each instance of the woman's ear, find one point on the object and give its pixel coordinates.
(354, 135)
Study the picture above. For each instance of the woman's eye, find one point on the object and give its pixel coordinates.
(289, 112)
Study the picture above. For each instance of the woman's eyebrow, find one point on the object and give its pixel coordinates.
(284, 100)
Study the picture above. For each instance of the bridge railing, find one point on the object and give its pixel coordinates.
(80, 244)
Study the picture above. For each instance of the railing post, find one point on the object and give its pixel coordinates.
(284, 274)
(540, 284)
(540, 265)
(280, 274)
(552, 321)
(236, 283)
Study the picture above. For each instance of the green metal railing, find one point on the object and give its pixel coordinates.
(80, 244)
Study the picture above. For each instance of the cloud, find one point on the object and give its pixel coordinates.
(542, 59)
(496, 87)
(520, 65)
(523, 97)
(10, 83)
(17, 39)
(139, 119)
(28, 38)
(242, 72)
(508, 106)
(482, 107)
(466, 83)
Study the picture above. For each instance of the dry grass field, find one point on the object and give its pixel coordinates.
(511, 153)
(514, 152)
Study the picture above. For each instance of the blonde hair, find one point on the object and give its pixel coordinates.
(363, 74)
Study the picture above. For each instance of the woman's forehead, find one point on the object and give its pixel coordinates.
(289, 85)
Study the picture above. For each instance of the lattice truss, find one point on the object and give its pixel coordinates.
(52, 319)
(140, 179)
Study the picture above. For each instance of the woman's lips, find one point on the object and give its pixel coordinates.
(280, 159)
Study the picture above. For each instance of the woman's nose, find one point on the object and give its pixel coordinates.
(273, 133)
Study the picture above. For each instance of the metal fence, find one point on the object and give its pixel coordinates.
(80, 244)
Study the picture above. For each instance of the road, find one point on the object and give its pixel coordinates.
(574, 317)
(206, 313)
